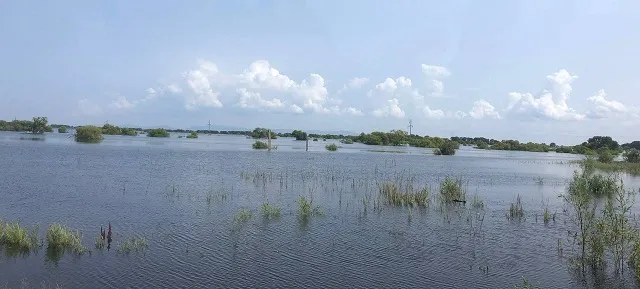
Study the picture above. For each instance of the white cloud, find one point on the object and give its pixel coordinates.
(391, 109)
(433, 113)
(552, 104)
(389, 85)
(296, 109)
(358, 82)
(123, 103)
(483, 109)
(203, 94)
(460, 115)
(89, 108)
(174, 88)
(606, 108)
(433, 71)
(250, 99)
(354, 111)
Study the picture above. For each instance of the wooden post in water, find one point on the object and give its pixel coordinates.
(269, 140)
(307, 148)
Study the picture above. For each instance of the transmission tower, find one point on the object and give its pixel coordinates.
(410, 126)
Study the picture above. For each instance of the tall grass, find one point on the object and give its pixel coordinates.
(306, 209)
(451, 190)
(61, 238)
(242, 215)
(331, 147)
(395, 195)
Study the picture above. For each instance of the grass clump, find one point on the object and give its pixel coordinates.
(61, 238)
(516, 211)
(547, 216)
(447, 148)
(17, 238)
(331, 147)
(88, 134)
(269, 211)
(99, 243)
(158, 132)
(259, 145)
(306, 209)
(134, 244)
(398, 196)
(477, 203)
(243, 215)
(451, 191)
(193, 134)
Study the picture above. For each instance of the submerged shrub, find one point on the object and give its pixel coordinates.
(62, 129)
(447, 148)
(631, 156)
(193, 134)
(89, 134)
(331, 147)
(134, 244)
(605, 156)
(259, 145)
(451, 190)
(398, 196)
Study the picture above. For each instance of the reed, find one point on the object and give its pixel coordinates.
(451, 190)
(269, 211)
(242, 215)
(516, 211)
(61, 238)
(133, 244)
(396, 195)
(17, 238)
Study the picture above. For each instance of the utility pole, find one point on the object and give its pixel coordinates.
(410, 126)
(269, 140)
(209, 126)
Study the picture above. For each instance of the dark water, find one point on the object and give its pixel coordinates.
(159, 189)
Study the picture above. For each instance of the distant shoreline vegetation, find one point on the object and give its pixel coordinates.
(592, 147)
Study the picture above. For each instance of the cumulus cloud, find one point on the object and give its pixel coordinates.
(198, 81)
(390, 85)
(433, 71)
(435, 76)
(250, 99)
(483, 109)
(391, 109)
(433, 113)
(606, 108)
(122, 103)
(551, 104)
(357, 82)
(354, 111)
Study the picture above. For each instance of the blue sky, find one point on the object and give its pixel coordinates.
(530, 70)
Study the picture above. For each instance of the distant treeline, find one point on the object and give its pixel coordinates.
(592, 146)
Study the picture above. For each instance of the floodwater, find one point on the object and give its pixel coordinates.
(182, 194)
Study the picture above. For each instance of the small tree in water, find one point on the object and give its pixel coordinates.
(40, 125)
(89, 134)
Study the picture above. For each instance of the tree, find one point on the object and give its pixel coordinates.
(605, 156)
(259, 132)
(40, 125)
(89, 134)
(193, 134)
(448, 148)
(600, 142)
(299, 135)
(62, 129)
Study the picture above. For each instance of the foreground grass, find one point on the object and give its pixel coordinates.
(451, 191)
(306, 209)
(61, 238)
(269, 211)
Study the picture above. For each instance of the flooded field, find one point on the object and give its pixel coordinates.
(200, 206)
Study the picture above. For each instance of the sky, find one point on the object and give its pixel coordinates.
(543, 71)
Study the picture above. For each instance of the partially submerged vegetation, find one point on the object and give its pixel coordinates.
(306, 209)
(37, 125)
(331, 147)
(404, 195)
(157, 132)
(17, 239)
(193, 134)
(451, 191)
(260, 145)
(60, 238)
(516, 210)
(269, 211)
(109, 129)
(62, 129)
(447, 148)
(88, 134)
(133, 244)
(243, 215)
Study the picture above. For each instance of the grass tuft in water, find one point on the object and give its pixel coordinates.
(100, 243)
(269, 211)
(525, 285)
(516, 211)
(398, 196)
(451, 191)
(134, 244)
(17, 238)
(331, 147)
(242, 215)
(477, 203)
(61, 238)
(306, 209)
(547, 216)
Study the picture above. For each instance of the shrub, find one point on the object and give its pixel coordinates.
(62, 129)
(128, 131)
(347, 141)
(89, 134)
(193, 134)
(332, 147)
(632, 156)
(451, 190)
(260, 145)
(40, 125)
(158, 132)
(448, 148)
(605, 156)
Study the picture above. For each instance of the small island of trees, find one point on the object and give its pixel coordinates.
(88, 134)
(157, 132)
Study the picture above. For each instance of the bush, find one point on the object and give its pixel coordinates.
(193, 134)
(62, 129)
(259, 145)
(632, 156)
(448, 148)
(332, 147)
(158, 132)
(347, 141)
(128, 131)
(605, 156)
(89, 134)
(40, 125)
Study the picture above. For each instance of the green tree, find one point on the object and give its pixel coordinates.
(89, 134)
(62, 129)
(601, 142)
(193, 134)
(299, 135)
(111, 129)
(448, 148)
(605, 156)
(259, 145)
(40, 125)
